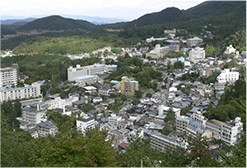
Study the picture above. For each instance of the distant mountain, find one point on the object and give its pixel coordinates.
(215, 10)
(12, 21)
(58, 23)
(94, 19)
(165, 16)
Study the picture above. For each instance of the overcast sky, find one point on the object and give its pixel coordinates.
(125, 9)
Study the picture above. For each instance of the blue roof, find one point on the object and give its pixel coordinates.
(172, 41)
(153, 52)
(205, 103)
(112, 65)
(138, 110)
(114, 82)
(161, 116)
(164, 47)
(195, 123)
(166, 140)
(86, 77)
(195, 129)
(195, 38)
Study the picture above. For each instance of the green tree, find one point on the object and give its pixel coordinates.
(74, 150)
(238, 158)
(178, 65)
(209, 50)
(200, 155)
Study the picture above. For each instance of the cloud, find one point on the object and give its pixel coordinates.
(104, 8)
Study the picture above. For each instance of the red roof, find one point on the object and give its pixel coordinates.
(124, 145)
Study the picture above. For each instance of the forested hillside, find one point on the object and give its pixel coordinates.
(57, 23)
(221, 18)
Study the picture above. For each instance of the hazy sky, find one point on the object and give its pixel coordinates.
(126, 9)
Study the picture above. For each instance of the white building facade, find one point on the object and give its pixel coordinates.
(84, 124)
(196, 54)
(231, 131)
(8, 77)
(115, 120)
(228, 76)
(162, 143)
(181, 123)
(75, 74)
(47, 128)
(32, 115)
(21, 92)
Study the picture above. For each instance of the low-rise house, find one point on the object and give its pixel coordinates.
(97, 99)
(206, 71)
(90, 89)
(81, 102)
(104, 90)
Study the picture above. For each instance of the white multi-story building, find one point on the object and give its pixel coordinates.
(228, 76)
(20, 93)
(32, 115)
(8, 77)
(181, 123)
(161, 142)
(196, 54)
(61, 103)
(85, 124)
(193, 129)
(115, 120)
(75, 74)
(165, 109)
(198, 117)
(46, 128)
(216, 127)
(87, 80)
(231, 131)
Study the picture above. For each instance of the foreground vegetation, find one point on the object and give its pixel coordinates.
(70, 149)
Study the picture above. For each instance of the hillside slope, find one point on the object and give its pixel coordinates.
(57, 23)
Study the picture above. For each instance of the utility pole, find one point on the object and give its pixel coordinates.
(141, 164)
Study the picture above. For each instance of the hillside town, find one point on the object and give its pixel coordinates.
(167, 115)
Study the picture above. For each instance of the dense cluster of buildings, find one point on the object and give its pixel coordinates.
(148, 117)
